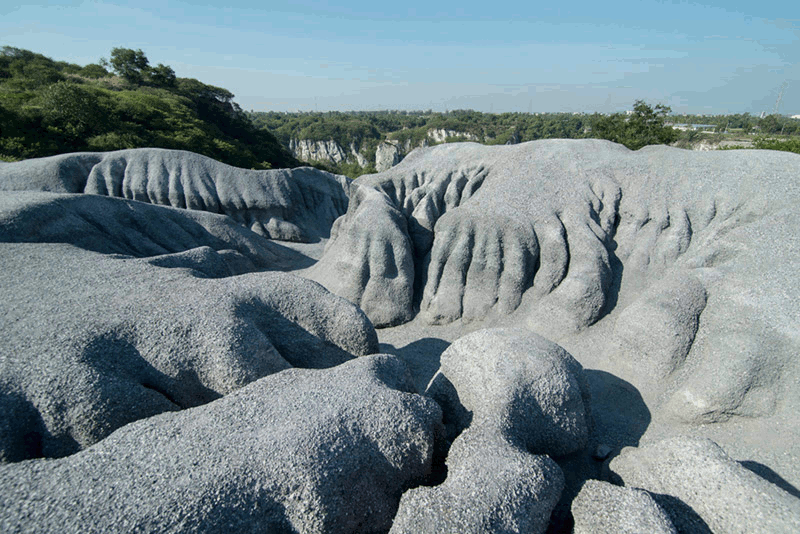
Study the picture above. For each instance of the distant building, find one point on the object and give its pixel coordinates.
(795, 117)
(690, 127)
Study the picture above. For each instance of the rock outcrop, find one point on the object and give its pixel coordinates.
(513, 400)
(602, 508)
(290, 205)
(161, 371)
(441, 135)
(526, 389)
(387, 155)
(492, 486)
(328, 151)
(324, 151)
(542, 232)
(118, 226)
(92, 343)
(315, 451)
(94, 340)
(697, 483)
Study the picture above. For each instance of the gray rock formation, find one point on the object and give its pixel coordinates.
(323, 151)
(512, 213)
(355, 152)
(492, 486)
(441, 135)
(140, 320)
(512, 398)
(696, 473)
(291, 205)
(544, 231)
(328, 151)
(119, 226)
(376, 230)
(388, 153)
(602, 508)
(658, 329)
(93, 342)
(299, 451)
(527, 389)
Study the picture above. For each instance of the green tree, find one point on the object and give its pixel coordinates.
(49, 107)
(132, 65)
(162, 76)
(645, 126)
(770, 124)
(94, 70)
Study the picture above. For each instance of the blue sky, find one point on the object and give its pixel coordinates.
(712, 57)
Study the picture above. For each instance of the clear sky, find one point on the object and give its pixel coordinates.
(697, 57)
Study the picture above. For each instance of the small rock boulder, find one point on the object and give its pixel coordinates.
(530, 389)
(726, 496)
(601, 508)
(491, 487)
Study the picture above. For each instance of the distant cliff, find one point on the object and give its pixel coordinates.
(388, 152)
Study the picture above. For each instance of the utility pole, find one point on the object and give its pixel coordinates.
(780, 97)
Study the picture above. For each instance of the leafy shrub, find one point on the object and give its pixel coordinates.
(786, 145)
(645, 126)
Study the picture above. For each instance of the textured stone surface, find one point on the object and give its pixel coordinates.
(387, 155)
(658, 329)
(358, 271)
(602, 508)
(560, 233)
(492, 486)
(292, 205)
(298, 451)
(530, 390)
(509, 399)
(697, 473)
(322, 151)
(92, 342)
(668, 271)
(119, 226)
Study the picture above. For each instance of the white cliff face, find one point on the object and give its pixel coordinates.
(327, 151)
(307, 150)
(440, 135)
(359, 157)
(387, 155)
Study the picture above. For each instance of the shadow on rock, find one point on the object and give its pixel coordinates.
(766, 473)
(681, 514)
(421, 356)
(620, 419)
(620, 415)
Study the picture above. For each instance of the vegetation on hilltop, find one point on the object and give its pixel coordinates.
(356, 127)
(365, 130)
(644, 125)
(51, 107)
(743, 123)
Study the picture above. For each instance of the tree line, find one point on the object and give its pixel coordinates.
(51, 107)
